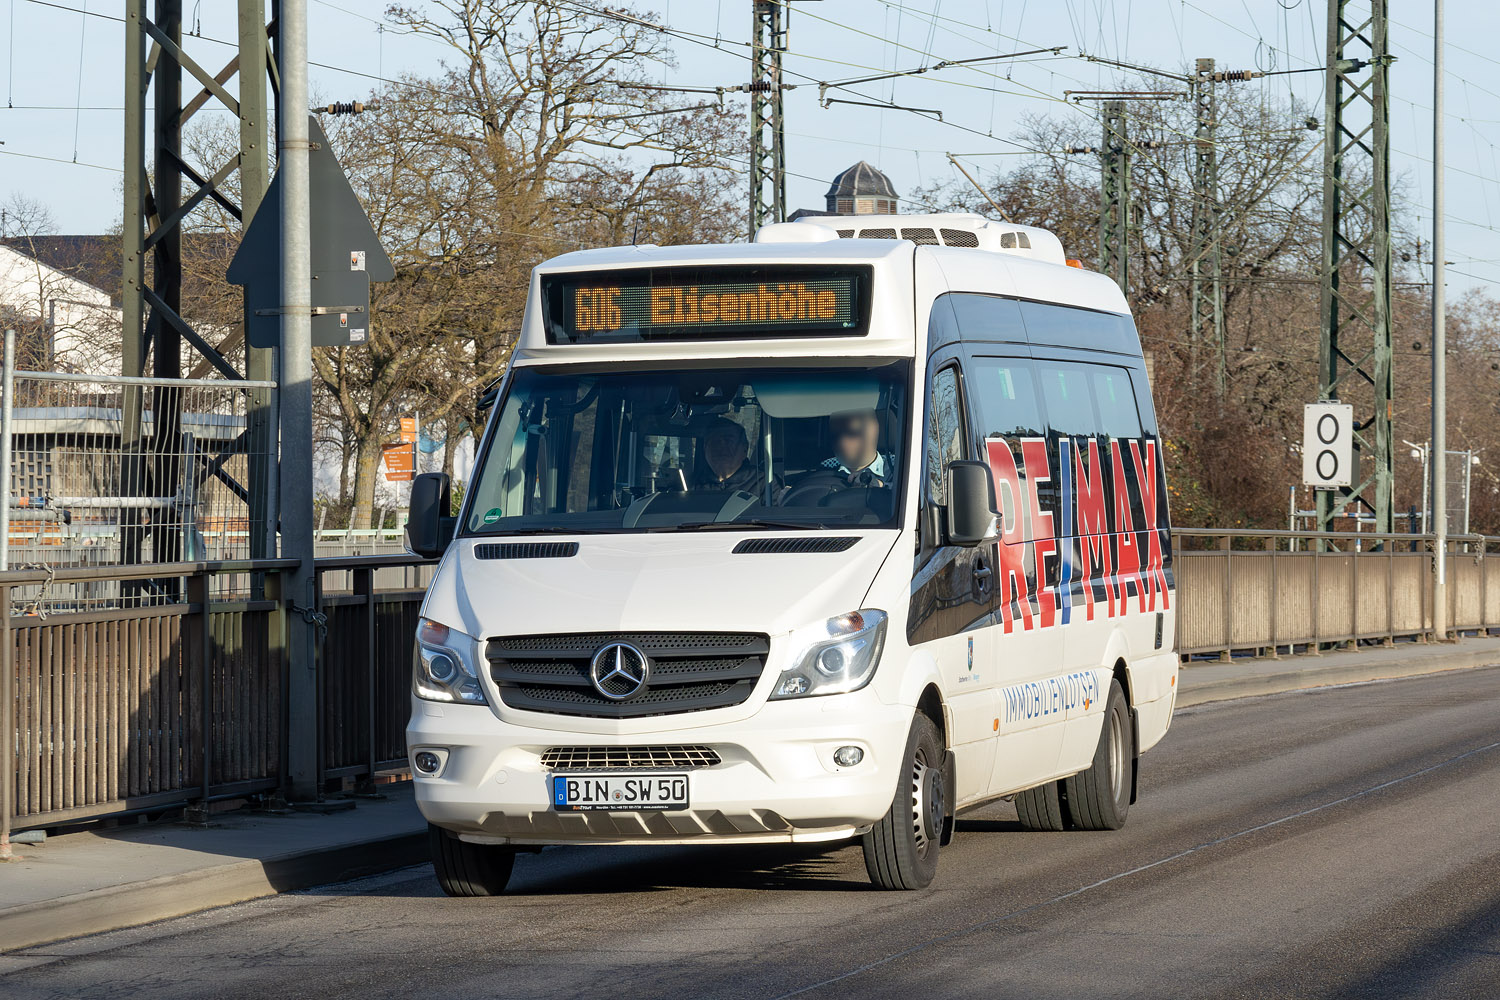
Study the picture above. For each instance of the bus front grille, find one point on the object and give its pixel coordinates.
(630, 758)
(686, 672)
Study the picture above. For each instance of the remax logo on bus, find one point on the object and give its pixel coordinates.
(1108, 549)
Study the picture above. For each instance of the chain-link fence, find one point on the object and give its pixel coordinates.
(106, 470)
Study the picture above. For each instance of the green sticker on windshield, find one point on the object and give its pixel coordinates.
(492, 515)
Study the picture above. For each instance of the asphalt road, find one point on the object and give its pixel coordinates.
(1339, 843)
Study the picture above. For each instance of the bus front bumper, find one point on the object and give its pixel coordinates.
(776, 780)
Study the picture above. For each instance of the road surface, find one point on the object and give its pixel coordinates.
(1338, 843)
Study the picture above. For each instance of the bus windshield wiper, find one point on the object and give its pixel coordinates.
(753, 522)
(551, 529)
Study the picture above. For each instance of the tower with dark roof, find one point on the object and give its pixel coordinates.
(861, 190)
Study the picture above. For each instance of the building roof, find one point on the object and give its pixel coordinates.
(861, 180)
(94, 260)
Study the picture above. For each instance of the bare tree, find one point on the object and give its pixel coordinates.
(1232, 449)
(534, 142)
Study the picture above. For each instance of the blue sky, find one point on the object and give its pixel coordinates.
(64, 73)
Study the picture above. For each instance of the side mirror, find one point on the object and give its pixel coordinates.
(971, 515)
(429, 528)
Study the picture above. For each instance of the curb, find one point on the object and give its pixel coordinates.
(1327, 675)
(134, 903)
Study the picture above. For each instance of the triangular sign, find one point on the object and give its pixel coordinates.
(340, 227)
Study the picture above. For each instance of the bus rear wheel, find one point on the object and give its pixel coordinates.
(1041, 808)
(465, 869)
(901, 850)
(1098, 798)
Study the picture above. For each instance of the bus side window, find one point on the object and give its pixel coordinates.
(1070, 416)
(1004, 390)
(1065, 390)
(1118, 417)
(946, 438)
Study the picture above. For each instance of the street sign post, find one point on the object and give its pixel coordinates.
(1328, 445)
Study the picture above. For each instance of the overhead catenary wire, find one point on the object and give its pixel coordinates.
(83, 25)
(931, 18)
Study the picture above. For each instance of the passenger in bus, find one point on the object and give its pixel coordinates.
(856, 447)
(726, 465)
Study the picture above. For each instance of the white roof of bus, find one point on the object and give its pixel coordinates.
(964, 270)
(891, 293)
(841, 251)
(1005, 274)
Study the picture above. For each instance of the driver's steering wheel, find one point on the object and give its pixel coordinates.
(817, 485)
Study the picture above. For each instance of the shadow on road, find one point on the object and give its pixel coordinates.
(571, 871)
(574, 870)
(989, 826)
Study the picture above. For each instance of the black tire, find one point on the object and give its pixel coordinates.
(1041, 808)
(901, 851)
(1098, 798)
(465, 869)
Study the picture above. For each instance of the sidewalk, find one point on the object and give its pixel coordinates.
(87, 882)
(1205, 682)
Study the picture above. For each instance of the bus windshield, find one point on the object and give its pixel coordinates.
(584, 450)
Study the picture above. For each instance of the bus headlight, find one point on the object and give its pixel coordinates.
(447, 665)
(834, 657)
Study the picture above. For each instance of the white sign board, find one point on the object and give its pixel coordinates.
(1327, 445)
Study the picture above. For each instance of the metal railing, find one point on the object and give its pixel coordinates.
(1272, 593)
(366, 673)
(123, 710)
(107, 470)
(108, 712)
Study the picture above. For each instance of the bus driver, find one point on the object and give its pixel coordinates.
(856, 452)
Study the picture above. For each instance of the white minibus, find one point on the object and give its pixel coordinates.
(832, 535)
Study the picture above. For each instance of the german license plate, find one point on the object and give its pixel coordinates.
(574, 792)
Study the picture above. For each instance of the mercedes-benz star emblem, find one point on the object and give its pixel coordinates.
(619, 671)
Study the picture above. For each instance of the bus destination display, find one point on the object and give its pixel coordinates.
(704, 304)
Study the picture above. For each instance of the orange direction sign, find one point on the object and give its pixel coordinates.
(400, 462)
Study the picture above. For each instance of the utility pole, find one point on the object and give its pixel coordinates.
(255, 64)
(1354, 358)
(164, 338)
(296, 465)
(767, 131)
(1439, 347)
(1114, 195)
(1206, 292)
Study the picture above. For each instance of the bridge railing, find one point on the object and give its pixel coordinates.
(1275, 593)
(146, 706)
(181, 699)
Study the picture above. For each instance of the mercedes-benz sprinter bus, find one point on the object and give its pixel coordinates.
(832, 535)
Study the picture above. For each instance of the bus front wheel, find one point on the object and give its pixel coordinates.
(901, 850)
(465, 869)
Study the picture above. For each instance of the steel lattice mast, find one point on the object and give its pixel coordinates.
(767, 133)
(1207, 291)
(1354, 358)
(1114, 193)
(156, 175)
